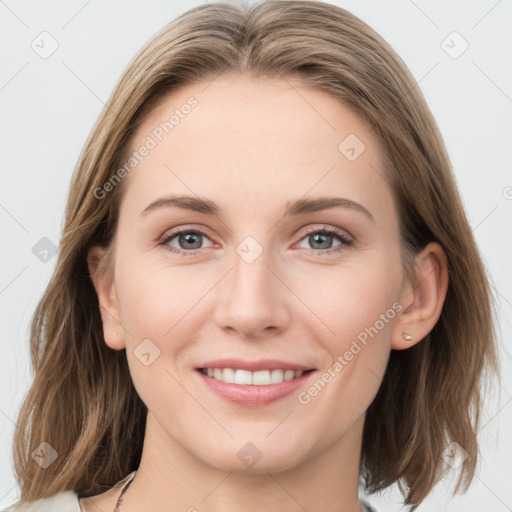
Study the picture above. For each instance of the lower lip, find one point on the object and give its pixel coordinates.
(253, 394)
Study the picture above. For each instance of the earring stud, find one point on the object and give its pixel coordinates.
(407, 336)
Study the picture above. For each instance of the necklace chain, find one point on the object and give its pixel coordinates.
(129, 479)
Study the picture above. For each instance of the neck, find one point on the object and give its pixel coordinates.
(170, 478)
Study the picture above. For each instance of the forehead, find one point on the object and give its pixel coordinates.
(255, 141)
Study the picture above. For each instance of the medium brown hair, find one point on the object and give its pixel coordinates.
(82, 401)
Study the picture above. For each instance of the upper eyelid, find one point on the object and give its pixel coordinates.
(330, 229)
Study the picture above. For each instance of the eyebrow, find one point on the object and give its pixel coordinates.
(295, 207)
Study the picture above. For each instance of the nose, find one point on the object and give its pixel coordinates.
(253, 300)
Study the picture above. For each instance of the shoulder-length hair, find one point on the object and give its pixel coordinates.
(82, 401)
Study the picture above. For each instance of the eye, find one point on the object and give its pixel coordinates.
(321, 240)
(188, 240)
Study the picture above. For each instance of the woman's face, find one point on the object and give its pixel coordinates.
(262, 277)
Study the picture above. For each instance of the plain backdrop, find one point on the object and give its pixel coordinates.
(460, 52)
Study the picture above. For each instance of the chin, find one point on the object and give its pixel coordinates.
(254, 457)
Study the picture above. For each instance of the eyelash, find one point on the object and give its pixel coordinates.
(346, 242)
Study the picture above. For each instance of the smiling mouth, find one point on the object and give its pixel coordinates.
(249, 378)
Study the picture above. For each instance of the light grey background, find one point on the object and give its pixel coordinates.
(48, 107)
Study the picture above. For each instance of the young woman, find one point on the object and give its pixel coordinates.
(268, 295)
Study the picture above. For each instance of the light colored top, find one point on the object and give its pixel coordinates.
(66, 501)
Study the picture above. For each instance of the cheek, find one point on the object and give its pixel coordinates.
(153, 296)
(357, 305)
(157, 303)
(364, 313)
(358, 341)
(351, 299)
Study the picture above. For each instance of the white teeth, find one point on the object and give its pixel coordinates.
(247, 378)
(228, 375)
(276, 376)
(261, 377)
(288, 375)
(241, 376)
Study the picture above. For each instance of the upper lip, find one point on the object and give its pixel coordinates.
(261, 364)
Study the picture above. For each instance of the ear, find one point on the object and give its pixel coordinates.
(103, 282)
(423, 300)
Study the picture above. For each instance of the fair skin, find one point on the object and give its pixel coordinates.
(250, 146)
